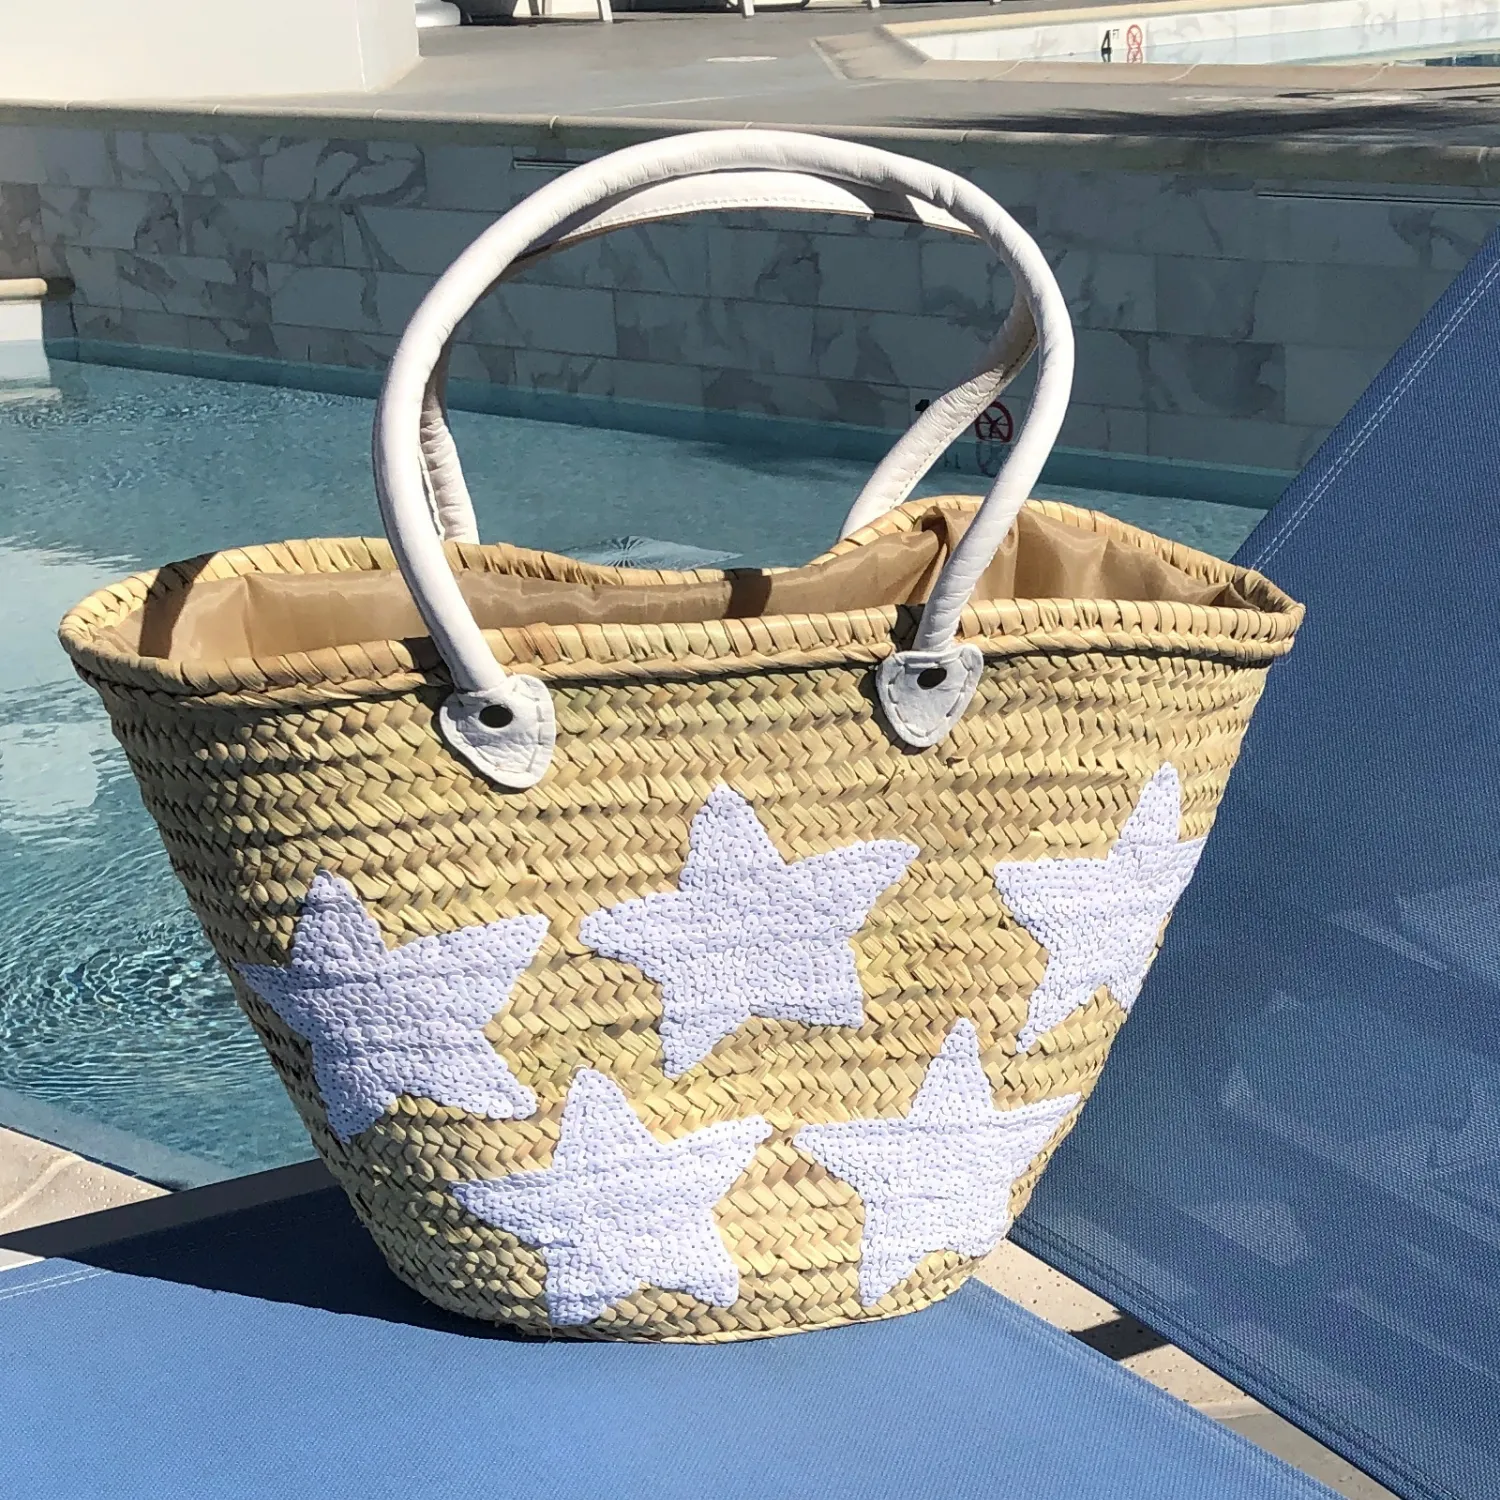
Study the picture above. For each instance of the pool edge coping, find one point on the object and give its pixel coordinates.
(110, 1146)
(1407, 161)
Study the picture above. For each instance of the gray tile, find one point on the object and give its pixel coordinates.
(1322, 384)
(193, 285)
(1231, 440)
(671, 385)
(95, 276)
(321, 234)
(390, 173)
(475, 177)
(1112, 368)
(1446, 239)
(226, 227)
(1348, 307)
(564, 319)
(1015, 189)
(1126, 211)
(964, 283)
(22, 232)
(1206, 297)
(230, 336)
(923, 354)
(575, 374)
(770, 338)
(1104, 429)
(489, 363)
(331, 297)
(847, 401)
(1143, 212)
(772, 265)
(779, 221)
(1347, 232)
(305, 234)
(670, 258)
(57, 320)
(20, 156)
(865, 272)
(1216, 377)
(422, 240)
(872, 229)
(817, 268)
(1344, 229)
(393, 297)
(1241, 224)
(162, 161)
(157, 330)
(111, 219)
(334, 346)
(72, 156)
(1105, 289)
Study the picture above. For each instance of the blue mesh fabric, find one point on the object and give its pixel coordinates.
(1292, 1166)
(265, 1353)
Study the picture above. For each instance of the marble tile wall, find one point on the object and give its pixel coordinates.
(1219, 320)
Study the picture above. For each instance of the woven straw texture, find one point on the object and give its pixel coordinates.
(261, 773)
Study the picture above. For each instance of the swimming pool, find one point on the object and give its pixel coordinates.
(118, 1034)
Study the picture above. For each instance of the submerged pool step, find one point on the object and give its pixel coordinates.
(24, 370)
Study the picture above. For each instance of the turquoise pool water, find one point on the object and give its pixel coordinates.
(117, 1031)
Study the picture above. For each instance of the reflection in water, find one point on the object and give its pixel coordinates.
(111, 1003)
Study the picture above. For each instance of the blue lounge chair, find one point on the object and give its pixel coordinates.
(1292, 1167)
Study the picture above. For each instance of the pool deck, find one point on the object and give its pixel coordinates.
(42, 1184)
(844, 70)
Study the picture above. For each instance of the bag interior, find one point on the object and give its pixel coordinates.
(278, 614)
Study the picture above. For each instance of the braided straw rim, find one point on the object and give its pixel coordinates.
(1002, 628)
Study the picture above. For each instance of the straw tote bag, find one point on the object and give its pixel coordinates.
(692, 955)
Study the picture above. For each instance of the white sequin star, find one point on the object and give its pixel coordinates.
(746, 933)
(390, 1021)
(941, 1178)
(1100, 919)
(618, 1209)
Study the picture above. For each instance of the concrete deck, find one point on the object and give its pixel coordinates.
(845, 70)
(43, 1184)
(838, 68)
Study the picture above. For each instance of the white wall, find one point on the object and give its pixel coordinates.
(147, 50)
(22, 358)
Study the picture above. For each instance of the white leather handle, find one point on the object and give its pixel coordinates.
(453, 510)
(501, 723)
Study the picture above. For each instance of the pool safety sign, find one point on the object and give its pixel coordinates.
(1127, 43)
(993, 431)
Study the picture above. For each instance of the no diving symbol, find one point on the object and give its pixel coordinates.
(993, 429)
(1135, 45)
(993, 424)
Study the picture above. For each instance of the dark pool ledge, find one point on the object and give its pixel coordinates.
(113, 1147)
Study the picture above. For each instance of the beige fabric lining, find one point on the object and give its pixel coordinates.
(268, 614)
